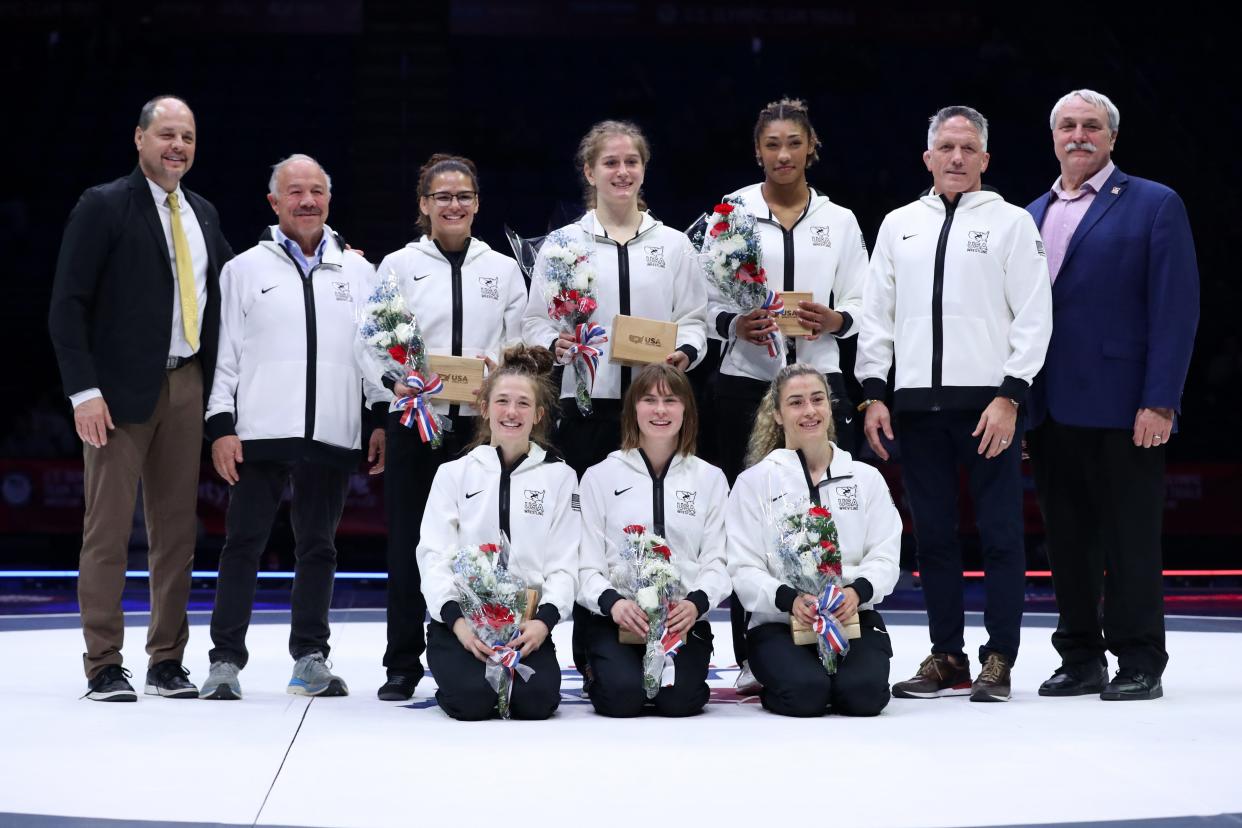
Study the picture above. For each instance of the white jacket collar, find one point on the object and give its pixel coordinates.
(633, 459)
(488, 457)
(842, 464)
(590, 223)
(965, 201)
(333, 252)
(751, 198)
(425, 245)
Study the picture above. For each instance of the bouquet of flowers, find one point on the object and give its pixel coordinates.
(570, 293)
(807, 552)
(391, 335)
(646, 575)
(733, 261)
(495, 603)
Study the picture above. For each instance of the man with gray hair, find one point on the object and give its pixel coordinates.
(1122, 262)
(957, 296)
(285, 409)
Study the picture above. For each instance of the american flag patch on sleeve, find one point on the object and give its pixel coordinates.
(575, 502)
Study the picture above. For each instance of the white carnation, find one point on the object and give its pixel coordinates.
(404, 331)
(648, 598)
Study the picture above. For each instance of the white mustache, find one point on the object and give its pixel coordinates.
(1080, 145)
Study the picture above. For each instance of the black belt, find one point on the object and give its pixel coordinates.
(175, 362)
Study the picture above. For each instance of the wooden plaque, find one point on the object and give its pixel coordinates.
(627, 637)
(636, 341)
(462, 377)
(532, 604)
(802, 634)
(787, 320)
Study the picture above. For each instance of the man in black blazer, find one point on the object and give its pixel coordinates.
(134, 320)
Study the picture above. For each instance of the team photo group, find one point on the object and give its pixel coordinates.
(540, 421)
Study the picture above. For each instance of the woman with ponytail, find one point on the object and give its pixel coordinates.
(810, 245)
(468, 300)
(509, 484)
(794, 459)
(644, 269)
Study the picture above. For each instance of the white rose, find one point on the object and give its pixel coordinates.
(403, 332)
(648, 598)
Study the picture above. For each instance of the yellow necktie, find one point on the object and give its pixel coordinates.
(185, 275)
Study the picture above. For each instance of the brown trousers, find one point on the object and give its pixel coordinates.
(164, 454)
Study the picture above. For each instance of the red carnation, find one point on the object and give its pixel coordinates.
(496, 616)
(746, 273)
(587, 306)
(398, 353)
(717, 229)
(828, 546)
(634, 529)
(723, 209)
(819, 512)
(825, 568)
(489, 548)
(762, 277)
(663, 551)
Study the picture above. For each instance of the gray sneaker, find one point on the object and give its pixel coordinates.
(311, 677)
(222, 683)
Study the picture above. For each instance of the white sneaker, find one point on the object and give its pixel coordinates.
(747, 684)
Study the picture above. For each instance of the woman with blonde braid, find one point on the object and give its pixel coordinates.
(792, 455)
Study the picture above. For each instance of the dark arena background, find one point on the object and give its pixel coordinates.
(371, 88)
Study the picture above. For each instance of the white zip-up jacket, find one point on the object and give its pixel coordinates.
(476, 311)
(655, 275)
(824, 253)
(289, 378)
(868, 530)
(686, 506)
(960, 295)
(473, 499)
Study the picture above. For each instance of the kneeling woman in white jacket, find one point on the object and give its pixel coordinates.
(656, 481)
(509, 483)
(791, 454)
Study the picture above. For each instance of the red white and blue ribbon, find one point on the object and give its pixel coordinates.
(776, 304)
(415, 408)
(671, 643)
(510, 660)
(826, 625)
(587, 335)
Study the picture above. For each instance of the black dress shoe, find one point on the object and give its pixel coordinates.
(1132, 685)
(1075, 680)
(110, 685)
(399, 687)
(170, 680)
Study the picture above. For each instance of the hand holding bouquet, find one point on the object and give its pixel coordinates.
(391, 333)
(570, 293)
(733, 261)
(645, 574)
(496, 604)
(807, 553)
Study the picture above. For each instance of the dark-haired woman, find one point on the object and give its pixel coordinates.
(811, 245)
(468, 300)
(645, 269)
(507, 484)
(792, 454)
(656, 481)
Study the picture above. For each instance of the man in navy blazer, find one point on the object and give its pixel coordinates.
(1125, 296)
(134, 320)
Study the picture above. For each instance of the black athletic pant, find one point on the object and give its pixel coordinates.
(933, 446)
(464, 693)
(617, 689)
(736, 402)
(1102, 500)
(318, 500)
(410, 466)
(795, 682)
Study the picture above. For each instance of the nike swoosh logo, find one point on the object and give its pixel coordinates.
(778, 497)
(420, 278)
(619, 492)
(472, 494)
(265, 290)
(912, 235)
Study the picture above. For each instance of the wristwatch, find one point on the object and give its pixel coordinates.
(865, 404)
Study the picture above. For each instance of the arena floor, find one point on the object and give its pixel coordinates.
(275, 759)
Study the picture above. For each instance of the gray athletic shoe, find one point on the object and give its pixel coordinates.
(311, 677)
(222, 683)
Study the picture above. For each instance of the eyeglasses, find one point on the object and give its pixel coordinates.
(465, 198)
